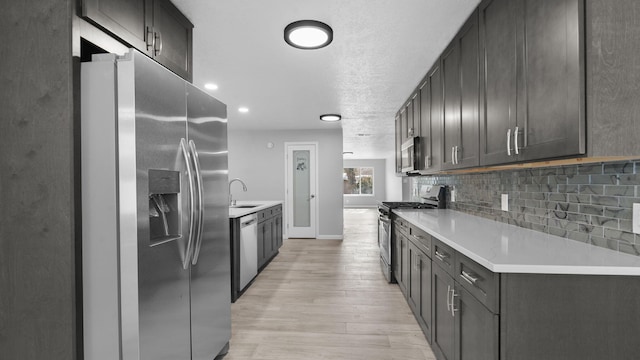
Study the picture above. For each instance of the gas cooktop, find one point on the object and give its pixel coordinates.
(407, 204)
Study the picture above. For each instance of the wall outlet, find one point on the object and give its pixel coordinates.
(636, 218)
(453, 194)
(505, 202)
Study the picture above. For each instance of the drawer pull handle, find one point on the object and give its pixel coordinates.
(468, 277)
(441, 256)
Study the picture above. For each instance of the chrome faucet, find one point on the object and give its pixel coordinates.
(244, 188)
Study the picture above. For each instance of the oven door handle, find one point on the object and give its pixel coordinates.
(384, 219)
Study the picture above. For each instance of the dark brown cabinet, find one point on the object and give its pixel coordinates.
(398, 134)
(269, 234)
(460, 81)
(419, 289)
(498, 90)
(443, 343)
(269, 240)
(154, 27)
(401, 254)
(532, 86)
(431, 120)
(476, 328)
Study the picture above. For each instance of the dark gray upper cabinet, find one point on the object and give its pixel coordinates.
(173, 41)
(498, 79)
(126, 19)
(404, 124)
(154, 27)
(532, 86)
(460, 80)
(431, 120)
(398, 143)
(551, 79)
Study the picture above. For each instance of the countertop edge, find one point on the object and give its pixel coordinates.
(240, 212)
(528, 267)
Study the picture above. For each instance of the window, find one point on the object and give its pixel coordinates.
(358, 181)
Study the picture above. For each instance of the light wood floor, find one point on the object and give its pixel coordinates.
(327, 299)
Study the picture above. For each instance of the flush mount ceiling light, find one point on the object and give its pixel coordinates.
(330, 117)
(243, 109)
(308, 34)
(211, 86)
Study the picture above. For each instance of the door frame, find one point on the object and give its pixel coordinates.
(288, 183)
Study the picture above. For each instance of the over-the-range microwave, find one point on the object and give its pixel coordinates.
(410, 151)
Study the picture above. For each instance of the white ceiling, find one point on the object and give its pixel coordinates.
(380, 51)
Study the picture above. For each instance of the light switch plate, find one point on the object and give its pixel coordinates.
(505, 202)
(636, 218)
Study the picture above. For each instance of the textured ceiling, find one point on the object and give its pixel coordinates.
(380, 50)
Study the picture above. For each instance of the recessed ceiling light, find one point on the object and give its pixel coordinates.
(243, 109)
(347, 153)
(330, 117)
(308, 34)
(211, 86)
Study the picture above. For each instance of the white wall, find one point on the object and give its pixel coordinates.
(379, 183)
(263, 170)
(393, 181)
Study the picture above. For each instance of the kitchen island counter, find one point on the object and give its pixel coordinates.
(504, 248)
(241, 208)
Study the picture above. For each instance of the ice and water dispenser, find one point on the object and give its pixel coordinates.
(164, 206)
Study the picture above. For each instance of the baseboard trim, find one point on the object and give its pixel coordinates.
(330, 237)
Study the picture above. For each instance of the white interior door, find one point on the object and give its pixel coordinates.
(301, 202)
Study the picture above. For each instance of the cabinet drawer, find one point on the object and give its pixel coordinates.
(276, 210)
(402, 226)
(481, 282)
(443, 255)
(421, 239)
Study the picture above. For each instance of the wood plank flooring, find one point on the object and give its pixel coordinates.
(327, 299)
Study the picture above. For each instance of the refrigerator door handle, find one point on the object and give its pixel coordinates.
(192, 217)
(198, 175)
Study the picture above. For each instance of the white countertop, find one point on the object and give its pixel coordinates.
(262, 204)
(505, 248)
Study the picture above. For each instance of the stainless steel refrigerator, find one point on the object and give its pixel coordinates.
(156, 282)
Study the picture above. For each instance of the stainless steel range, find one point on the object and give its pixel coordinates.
(434, 197)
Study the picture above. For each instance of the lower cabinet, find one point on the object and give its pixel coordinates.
(463, 327)
(468, 312)
(269, 234)
(401, 255)
(443, 344)
(269, 243)
(419, 289)
(476, 328)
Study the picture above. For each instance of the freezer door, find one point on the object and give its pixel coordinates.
(155, 102)
(210, 272)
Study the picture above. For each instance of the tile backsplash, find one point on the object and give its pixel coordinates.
(591, 203)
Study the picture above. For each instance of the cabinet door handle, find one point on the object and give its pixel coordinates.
(456, 152)
(453, 160)
(453, 302)
(448, 298)
(515, 140)
(509, 142)
(468, 277)
(441, 256)
(150, 38)
(157, 43)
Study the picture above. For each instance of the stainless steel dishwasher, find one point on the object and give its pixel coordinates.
(248, 249)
